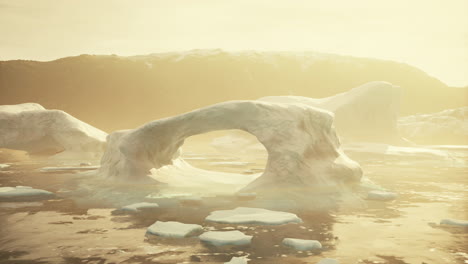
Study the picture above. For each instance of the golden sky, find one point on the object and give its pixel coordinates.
(429, 34)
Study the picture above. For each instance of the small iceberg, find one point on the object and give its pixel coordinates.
(4, 166)
(225, 238)
(23, 193)
(328, 261)
(381, 195)
(454, 222)
(174, 229)
(137, 207)
(302, 244)
(246, 215)
(238, 260)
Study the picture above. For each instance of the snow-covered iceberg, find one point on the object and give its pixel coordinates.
(446, 127)
(365, 113)
(258, 216)
(32, 128)
(303, 150)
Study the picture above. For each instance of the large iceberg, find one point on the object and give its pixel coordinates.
(32, 128)
(365, 113)
(446, 127)
(304, 152)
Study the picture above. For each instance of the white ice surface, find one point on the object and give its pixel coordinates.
(174, 229)
(225, 238)
(238, 260)
(21, 192)
(302, 244)
(259, 216)
(381, 195)
(139, 206)
(454, 222)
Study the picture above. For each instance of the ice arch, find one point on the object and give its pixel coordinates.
(303, 149)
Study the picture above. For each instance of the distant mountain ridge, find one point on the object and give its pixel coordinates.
(113, 92)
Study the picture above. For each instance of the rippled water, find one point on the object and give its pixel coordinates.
(79, 227)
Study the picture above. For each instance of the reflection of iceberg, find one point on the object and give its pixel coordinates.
(55, 133)
(303, 150)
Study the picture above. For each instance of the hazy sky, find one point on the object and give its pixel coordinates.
(429, 34)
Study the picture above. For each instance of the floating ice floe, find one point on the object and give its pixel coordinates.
(23, 192)
(454, 222)
(246, 215)
(174, 229)
(225, 238)
(328, 261)
(381, 195)
(238, 260)
(4, 166)
(54, 169)
(302, 244)
(136, 207)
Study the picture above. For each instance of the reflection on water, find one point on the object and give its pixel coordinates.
(79, 226)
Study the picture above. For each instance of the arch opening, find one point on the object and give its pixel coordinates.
(231, 151)
(215, 162)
